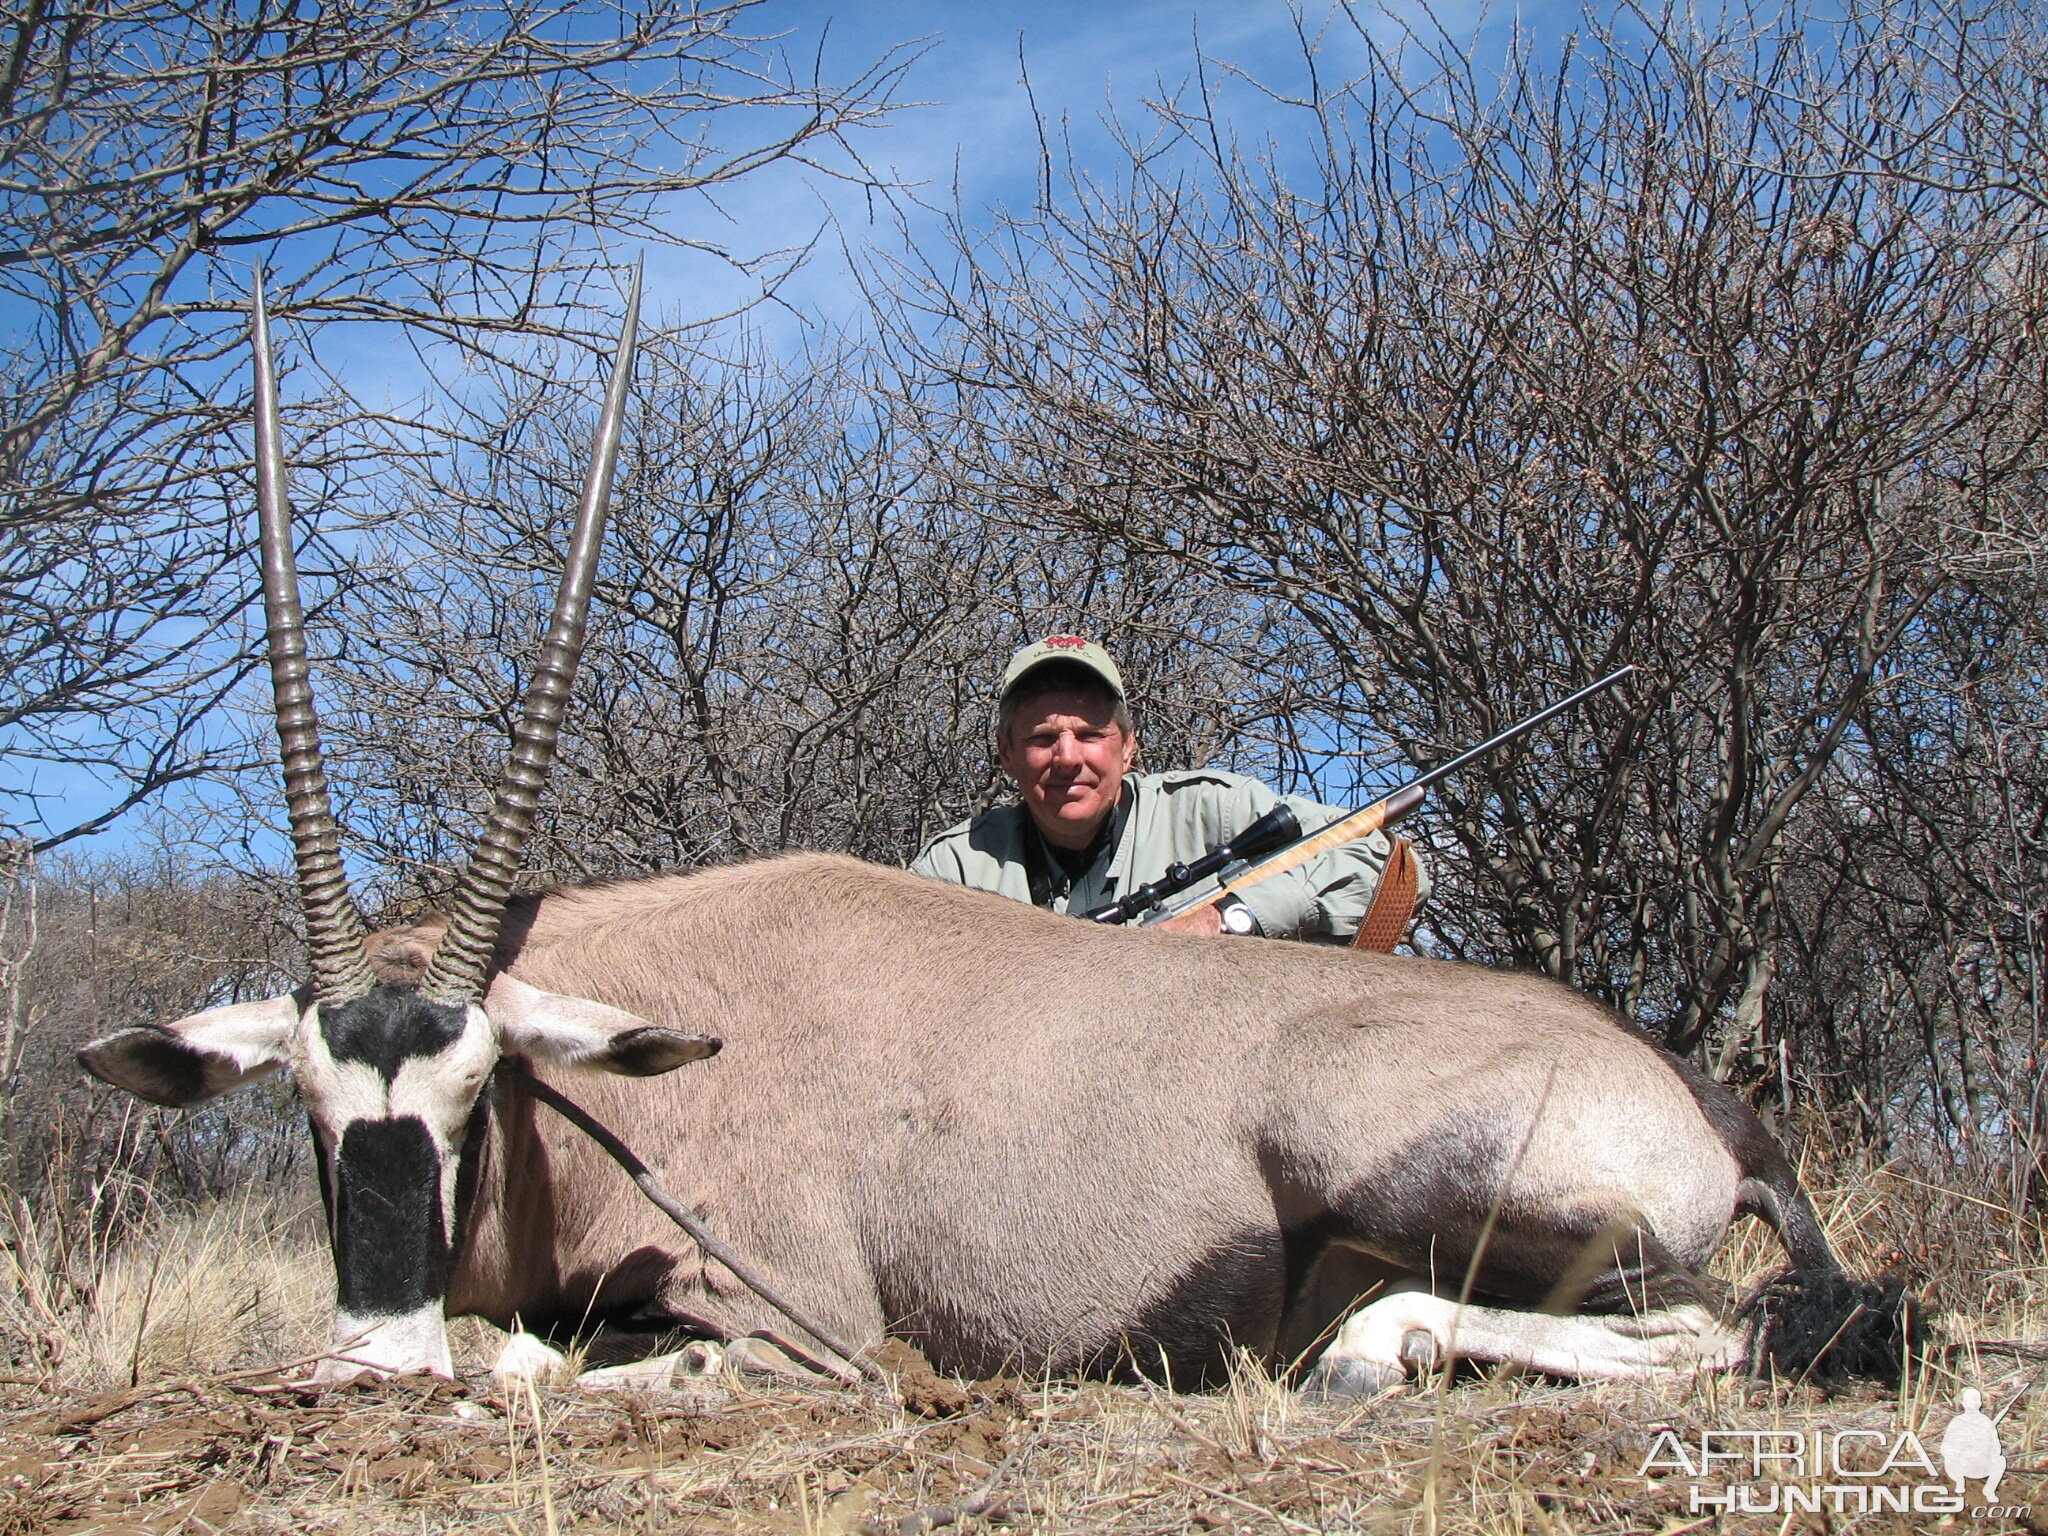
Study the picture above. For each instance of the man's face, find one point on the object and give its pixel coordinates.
(1069, 757)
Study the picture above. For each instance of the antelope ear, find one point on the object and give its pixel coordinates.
(197, 1058)
(577, 1032)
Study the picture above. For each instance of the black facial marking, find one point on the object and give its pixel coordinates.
(388, 1027)
(470, 1170)
(390, 1244)
(324, 1166)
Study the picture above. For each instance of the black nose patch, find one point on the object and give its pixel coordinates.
(389, 1026)
(390, 1242)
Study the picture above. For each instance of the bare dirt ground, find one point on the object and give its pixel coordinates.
(257, 1455)
(154, 1405)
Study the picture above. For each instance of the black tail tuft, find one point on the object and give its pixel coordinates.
(1819, 1325)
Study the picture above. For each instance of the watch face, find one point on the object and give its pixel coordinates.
(1237, 917)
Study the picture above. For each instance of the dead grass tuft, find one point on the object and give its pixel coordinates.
(222, 1288)
(232, 1286)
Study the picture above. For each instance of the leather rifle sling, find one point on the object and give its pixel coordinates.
(1393, 904)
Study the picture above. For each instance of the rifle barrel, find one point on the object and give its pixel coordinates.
(1444, 769)
(1390, 809)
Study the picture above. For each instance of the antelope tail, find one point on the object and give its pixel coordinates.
(1814, 1322)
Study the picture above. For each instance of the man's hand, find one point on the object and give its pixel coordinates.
(1201, 920)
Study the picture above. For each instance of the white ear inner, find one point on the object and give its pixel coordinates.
(251, 1035)
(552, 1026)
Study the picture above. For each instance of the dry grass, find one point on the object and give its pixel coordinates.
(224, 1289)
(203, 1297)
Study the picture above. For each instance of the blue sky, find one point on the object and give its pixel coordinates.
(973, 135)
(967, 137)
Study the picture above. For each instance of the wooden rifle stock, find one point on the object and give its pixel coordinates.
(1401, 803)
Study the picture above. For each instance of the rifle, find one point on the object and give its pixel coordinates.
(1278, 829)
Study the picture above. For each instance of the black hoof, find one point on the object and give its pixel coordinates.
(1418, 1351)
(1352, 1378)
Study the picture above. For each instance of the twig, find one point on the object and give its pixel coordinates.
(1218, 1493)
(1943, 1189)
(2018, 1349)
(1173, 1417)
(982, 1501)
(687, 1219)
(938, 1515)
(106, 1407)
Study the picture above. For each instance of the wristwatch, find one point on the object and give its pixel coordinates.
(1237, 916)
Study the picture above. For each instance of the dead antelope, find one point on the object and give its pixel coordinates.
(1020, 1140)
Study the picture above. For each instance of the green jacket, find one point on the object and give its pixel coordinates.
(1164, 819)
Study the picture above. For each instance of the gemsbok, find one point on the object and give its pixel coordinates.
(1018, 1140)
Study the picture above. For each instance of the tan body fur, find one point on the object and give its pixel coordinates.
(1026, 1141)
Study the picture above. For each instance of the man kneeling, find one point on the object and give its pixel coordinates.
(1086, 829)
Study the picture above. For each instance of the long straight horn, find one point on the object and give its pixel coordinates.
(334, 929)
(456, 974)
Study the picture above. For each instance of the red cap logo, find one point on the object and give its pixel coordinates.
(1065, 642)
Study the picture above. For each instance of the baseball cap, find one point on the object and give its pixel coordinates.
(1077, 649)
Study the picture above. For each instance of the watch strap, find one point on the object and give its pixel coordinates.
(1237, 915)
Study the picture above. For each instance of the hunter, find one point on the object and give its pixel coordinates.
(1085, 828)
